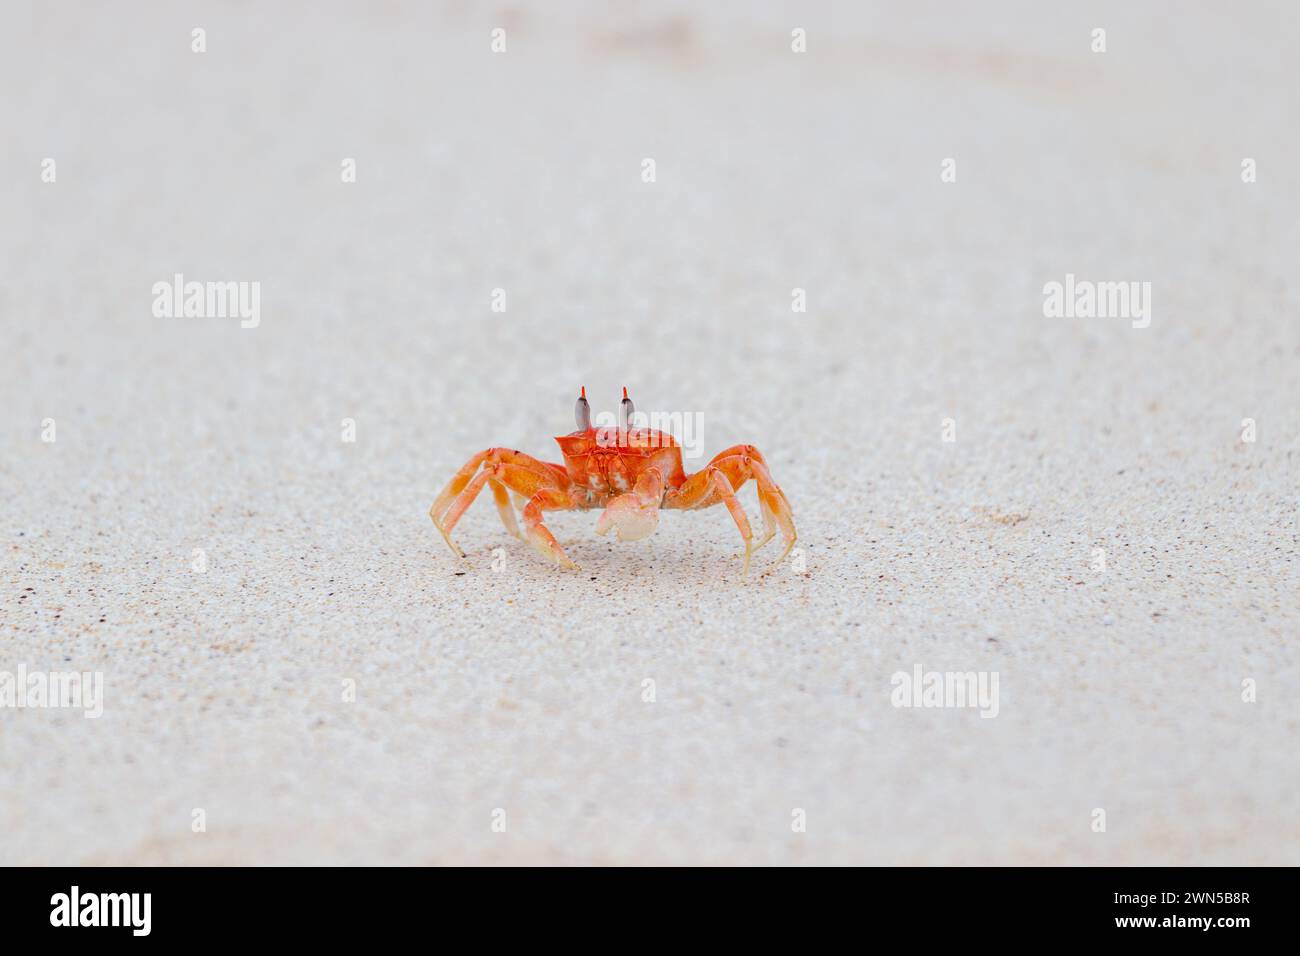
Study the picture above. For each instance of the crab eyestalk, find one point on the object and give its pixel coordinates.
(625, 411)
(582, 412)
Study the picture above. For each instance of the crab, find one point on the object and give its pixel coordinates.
(630, 472)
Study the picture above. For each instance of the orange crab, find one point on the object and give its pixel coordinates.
(630, 472)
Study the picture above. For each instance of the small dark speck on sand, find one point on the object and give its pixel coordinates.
(460, 574)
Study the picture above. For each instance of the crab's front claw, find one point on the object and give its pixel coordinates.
(629, 517)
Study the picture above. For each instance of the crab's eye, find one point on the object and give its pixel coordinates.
(625, 412)
(582, 412)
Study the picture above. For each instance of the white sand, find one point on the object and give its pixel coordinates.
(521, 689)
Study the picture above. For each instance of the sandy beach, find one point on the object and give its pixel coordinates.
(226, 516)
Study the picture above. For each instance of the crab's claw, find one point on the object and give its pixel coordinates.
(629, 517)
(635, 515)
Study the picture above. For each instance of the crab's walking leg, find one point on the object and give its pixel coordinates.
(461, 505)
(771, 499)
(727, 490)
(721, 478)
(776, 509)
(502, 468)
(710, 485)
(448, 494)
(539, 536)
(505, 508)
(635, 515)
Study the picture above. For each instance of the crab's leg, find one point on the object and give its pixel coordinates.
(769, 522)
(635, 514)
(465, 485)
(461, 505)
(505, 508)
(776, 509)
(751, 456)
(737, 465)
(448, 494)
(771, 499)
(711, 485)
(539, 536)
